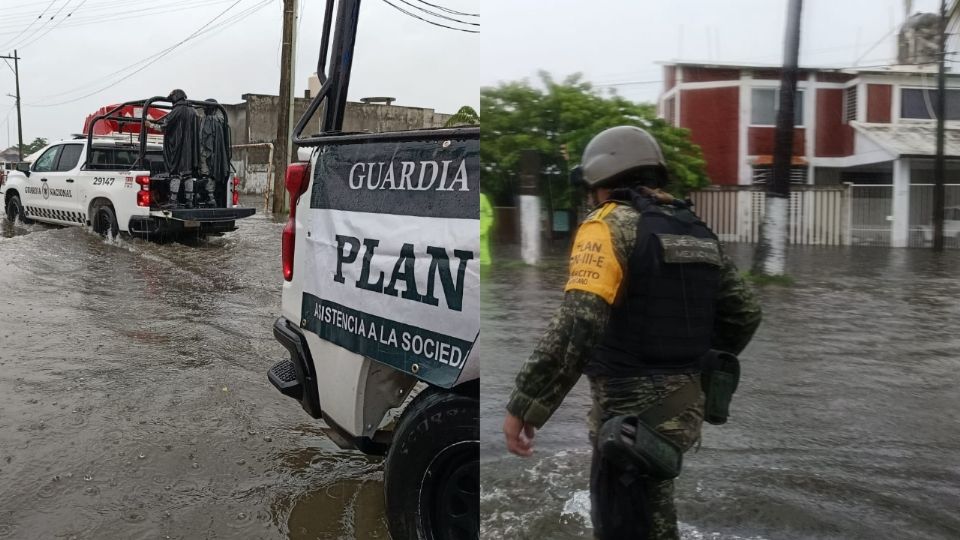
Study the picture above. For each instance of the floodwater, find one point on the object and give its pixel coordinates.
(134, 401)
(846, 424)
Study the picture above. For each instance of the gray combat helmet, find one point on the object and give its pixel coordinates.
(617, 150)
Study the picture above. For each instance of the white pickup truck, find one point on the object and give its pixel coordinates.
(381, 295)
(113, 184)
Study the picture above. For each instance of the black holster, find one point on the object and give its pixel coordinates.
(719, 378)
(619, 508)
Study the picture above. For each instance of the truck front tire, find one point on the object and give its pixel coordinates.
(432, 471)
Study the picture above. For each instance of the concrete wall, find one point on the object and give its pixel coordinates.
(255, 121)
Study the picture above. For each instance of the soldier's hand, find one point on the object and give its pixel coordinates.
(519, 436)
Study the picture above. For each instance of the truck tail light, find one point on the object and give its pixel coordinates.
(143, 196)
(235, 190)
(296, 181)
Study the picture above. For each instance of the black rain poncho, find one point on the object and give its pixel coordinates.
(215, 145)
(180, 140)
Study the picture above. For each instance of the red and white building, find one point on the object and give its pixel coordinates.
(873, 126)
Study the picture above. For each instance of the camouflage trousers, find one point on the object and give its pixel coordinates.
(650, 500)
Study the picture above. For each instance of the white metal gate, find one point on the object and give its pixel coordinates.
(871, 214)
(921, 215)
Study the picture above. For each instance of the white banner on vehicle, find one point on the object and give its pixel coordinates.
(395, 272)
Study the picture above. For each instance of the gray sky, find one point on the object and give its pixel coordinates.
(615, 41)
(419, 64)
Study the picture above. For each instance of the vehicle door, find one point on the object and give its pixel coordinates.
(34, 202)
(61, 188)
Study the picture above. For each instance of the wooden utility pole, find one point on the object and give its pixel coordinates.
(16, 75)
(770, 256)
(281, 155)
(939, 165)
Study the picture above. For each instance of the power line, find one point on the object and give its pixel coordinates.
(29, 25)
(415, 16)
(448, 10)
(114, 16)
(157, 56)
(105, 8)
(152, 59)
(45, 23)
(438, 15)
(36, 38)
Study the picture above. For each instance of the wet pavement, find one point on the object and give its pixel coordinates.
(846, 424)
(134, 401)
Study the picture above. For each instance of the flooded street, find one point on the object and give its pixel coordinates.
(134, 401)
(846, 424)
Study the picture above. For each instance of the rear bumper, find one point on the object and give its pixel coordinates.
(148, 226)
(205, 215)
(296, 377)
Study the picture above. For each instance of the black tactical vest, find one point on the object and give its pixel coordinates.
(662, 321)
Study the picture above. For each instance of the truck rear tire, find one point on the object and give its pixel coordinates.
(14, 210)
(105, 220)
(432, 471)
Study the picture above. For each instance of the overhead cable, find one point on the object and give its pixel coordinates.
(152, 59)
(415, 16)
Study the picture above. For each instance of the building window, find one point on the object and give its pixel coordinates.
(850, 104)
(762, 174)
(764, 105)
(921, 103)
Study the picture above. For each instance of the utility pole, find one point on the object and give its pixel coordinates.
(529, 206)
(16, 75)
(770, 256)
(939, 166)
(281, 156)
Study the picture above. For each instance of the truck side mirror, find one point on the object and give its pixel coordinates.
(24, 168)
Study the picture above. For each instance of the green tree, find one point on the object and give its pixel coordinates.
(467, 115)
(32, 147)
(565, 116)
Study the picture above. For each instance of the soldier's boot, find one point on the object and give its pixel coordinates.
(211, 198)
(188, 193)
(174, 195)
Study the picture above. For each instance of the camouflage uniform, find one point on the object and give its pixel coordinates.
(559, 359)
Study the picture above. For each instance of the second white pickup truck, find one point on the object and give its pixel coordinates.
(114, 184)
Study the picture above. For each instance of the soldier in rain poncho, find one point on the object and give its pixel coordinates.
(180, 127)
(214, 151)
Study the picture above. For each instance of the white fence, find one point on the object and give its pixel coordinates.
(819, 215)
(850, 214)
